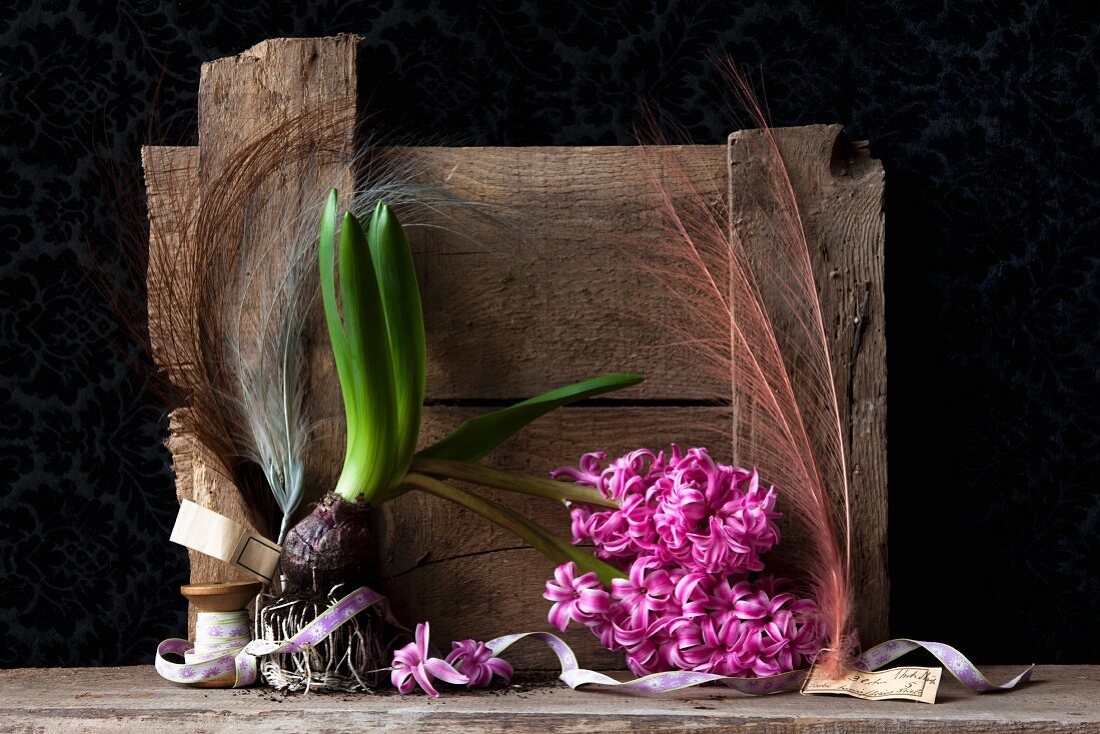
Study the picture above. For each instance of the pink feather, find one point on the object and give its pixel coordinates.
(770, 346)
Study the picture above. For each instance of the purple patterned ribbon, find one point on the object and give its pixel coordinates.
(223, 652)
(574, 676)
(959, 666)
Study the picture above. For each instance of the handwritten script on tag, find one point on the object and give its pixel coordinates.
(908, 684)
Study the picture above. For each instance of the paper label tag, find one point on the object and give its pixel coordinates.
(909, 684)
(215, 535)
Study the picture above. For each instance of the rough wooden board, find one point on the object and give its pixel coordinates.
(490, 318)
(544, 291)
(240, 99)
(840, 195)
(171, 175)
(552, 291)
(244, 96)
(1062, 699)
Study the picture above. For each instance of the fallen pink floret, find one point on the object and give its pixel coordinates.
(413, 666)
(478, 663)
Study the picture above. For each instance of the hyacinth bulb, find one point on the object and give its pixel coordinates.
(332, 544)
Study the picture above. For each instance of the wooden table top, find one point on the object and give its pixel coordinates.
(1060, 698)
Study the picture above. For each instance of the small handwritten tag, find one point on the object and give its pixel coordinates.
(909, 684)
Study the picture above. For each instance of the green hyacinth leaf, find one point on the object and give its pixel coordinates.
(336, 334)
(393, 264)
(557, 549)
(369, 463)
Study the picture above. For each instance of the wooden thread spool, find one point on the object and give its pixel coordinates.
(221, 597)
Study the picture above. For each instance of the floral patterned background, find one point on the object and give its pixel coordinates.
(984, 115)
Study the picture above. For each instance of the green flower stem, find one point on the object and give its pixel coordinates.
(556, 549)
(534, 486)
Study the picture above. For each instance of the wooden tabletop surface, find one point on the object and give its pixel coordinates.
(1060, 698)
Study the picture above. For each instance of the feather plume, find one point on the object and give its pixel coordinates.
(752, 317)
(237, 296)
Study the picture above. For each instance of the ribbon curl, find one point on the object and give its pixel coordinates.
(574, 676)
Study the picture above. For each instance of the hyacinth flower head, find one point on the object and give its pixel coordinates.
(688, 534)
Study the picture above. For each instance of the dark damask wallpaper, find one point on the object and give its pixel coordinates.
(984, 114)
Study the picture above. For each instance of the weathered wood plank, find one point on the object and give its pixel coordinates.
(171, 174)
(241, 99)
(840, 194)
(553, 291)
(494, 307)
(1061, 699)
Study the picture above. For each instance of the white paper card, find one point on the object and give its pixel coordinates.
(215, 535)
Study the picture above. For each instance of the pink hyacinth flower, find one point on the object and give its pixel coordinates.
(689, 531)
(651, 653)
(647, 590)
(632, 472)
(589, 474)
(728, 647)
(580, 599)
(476, 661)
(413, 666)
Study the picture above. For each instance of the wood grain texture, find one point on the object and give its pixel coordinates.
(1060, 699)
(543, 288)
(171, 175)
(840, 195)
(242, 97)
(281, 84)
(493, 311)
(548, 288)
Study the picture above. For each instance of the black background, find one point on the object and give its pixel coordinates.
(984, 115)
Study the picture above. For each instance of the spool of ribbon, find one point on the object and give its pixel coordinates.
(218, 636)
